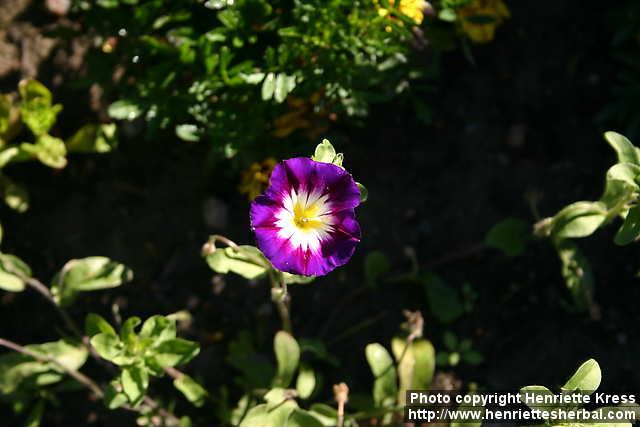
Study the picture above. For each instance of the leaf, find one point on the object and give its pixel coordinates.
(626, 172)
(301, 418)
(444, 302)
(295, 279)
(253, 78)
(188, 132)
(36, 107)
(326, 414)
(15, 195)
(107, 345)
(576, 272)
(364, 193)
(375, 264)
(12, 273)
(324, 152)
(535, 390)
(49, 150)
(287, 353)
(159, 329)
(125, 109)
(95, 324)
(625, 150)
(283, 86)
(134, 381)
(261, 416)
(268, 86)
(617, 192)
(587, 378)
(88, 274)
(578, 219)
(127, 331)
(385, 386)
(306, 382)
(509, 236)
(175, 352)
(630, 229)
(416, 365)
(193, 391)
(93, 138)
(18, 369)
(114, 399)
(5, 113)
(247, 261)
(35, 416)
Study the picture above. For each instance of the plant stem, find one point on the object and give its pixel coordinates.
(77, 375)
(39, 287)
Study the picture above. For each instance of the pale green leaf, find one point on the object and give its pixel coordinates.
(630, 229)
(587, 378)
(385, 387)
(625, 150)
(287, 353)
(134, 381)
(194, 392)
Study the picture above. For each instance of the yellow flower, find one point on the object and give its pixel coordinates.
(256, 178)
(413, 9)
(480, 19)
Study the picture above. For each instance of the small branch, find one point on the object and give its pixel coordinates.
(77, 375)
(39, 287)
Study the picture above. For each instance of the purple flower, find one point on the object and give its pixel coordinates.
(305, 221)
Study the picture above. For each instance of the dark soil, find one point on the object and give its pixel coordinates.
(519, 122)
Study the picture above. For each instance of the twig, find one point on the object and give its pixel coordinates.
(77, 375)
(39, 287)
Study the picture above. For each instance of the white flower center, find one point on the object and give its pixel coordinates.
(305, 219)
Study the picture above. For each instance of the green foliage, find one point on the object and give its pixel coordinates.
(21, 374)
(585, 380)
(385, 386)
(509, 236)
(583, 218)
(416, 364)
(214, 59)
(444, 302)
(141, 355)
(87, 274)
(36, 111)
(456, 351)
(288, 357)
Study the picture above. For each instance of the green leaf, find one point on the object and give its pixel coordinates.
(93, 138)
(283, 86)
(12, 273)
(15, 195)
(295, 279)
(578, 219)
(7, 155)
(630, 229)
(375, 264)
(364, 193)
(617, 193)
(125, 110)
(261, 416)
(107, 345)
(5, 113)
(326, 414)
(17, 370)
(625, 150)
(576, 272)
(444, 301)
(325, 153)
(268, 86)
(247, 261)
(416, 365)
(188, 132)
(36, 107)
(536, 390)
(194, 392)
(114, 399)
(626, 172)
(88, 274)
(35, 416)
(159, 329)
(509, 236)
(175, 352)
(300, 418)
(385, 387)
(306, 382)
(127, 331)
(95, 324)
(253, 78)
(587, 378)
(287, 353)
(49, 150)
(447, 15)
(230, 18)
(134, 381)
